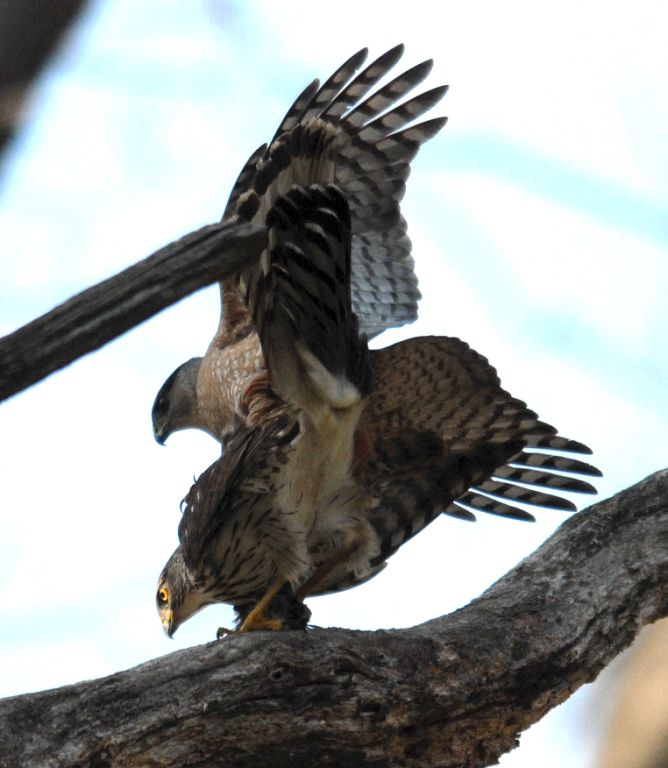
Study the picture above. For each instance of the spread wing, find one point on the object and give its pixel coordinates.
(339, 134)
(438, 391)
(301, 306)
(359, 136)
(440, 435)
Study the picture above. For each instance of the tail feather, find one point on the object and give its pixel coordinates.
(558, 443)
(475, 502)
(544, 479)
(557, 463)
(522, 495)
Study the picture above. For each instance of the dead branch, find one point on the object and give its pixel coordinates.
(29, 33)
(110, 308)
(456, 691)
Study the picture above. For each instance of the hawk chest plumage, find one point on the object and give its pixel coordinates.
(256, 515)
(224, 377)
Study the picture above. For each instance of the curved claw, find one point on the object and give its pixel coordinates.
(256, 619)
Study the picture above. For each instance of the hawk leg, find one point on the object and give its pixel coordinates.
(256, 619)
(294, 614)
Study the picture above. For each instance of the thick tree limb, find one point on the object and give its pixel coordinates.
(455, 691)
(110, 308)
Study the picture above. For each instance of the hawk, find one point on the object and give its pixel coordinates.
(359, 451)
(342, 134)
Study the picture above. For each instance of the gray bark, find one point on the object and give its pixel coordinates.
(101, 313)
(456, 691)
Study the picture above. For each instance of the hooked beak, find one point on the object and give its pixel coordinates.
(159, 435)
(168, 625)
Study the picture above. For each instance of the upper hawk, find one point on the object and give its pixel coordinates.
(333, 134)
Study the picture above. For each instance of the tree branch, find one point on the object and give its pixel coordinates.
(28, 35)
(110, 308)
(455, 691)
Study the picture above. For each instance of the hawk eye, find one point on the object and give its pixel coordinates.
(162, 406)
(163, 596)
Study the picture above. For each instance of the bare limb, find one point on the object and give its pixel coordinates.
(108, 309)
(456, 691)
(28, 34)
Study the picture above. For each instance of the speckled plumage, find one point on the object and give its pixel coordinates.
(362, 141)
(434, 435)
(320, 493)
(336, 455)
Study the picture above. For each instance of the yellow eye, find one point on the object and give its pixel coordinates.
(163, 596)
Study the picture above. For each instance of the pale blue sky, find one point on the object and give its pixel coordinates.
(538, 218)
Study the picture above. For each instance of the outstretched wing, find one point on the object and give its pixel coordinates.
(300, 302)
(338, 134)
(437, 395)
(361, 140)
(440, 435)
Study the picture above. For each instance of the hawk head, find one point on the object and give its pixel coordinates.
(177, 597)
(175, 405)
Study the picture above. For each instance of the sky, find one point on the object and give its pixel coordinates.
(539, 229)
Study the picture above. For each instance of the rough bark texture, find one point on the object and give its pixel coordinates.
(110, 308)
(456, 691)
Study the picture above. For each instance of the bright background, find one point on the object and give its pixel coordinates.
(538, 220)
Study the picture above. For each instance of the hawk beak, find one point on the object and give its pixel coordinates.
(160, 436)
(168, 624)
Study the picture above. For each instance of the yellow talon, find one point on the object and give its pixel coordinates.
(256, 620)
(259, 622)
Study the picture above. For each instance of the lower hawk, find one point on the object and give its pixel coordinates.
(346, 453)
